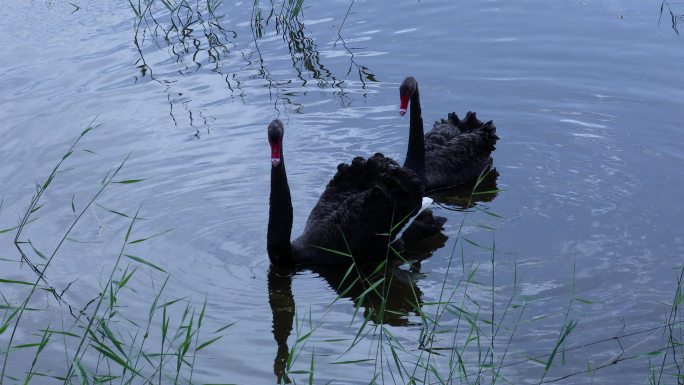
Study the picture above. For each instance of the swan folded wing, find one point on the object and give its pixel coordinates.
(442, 132)
(458, 150)
(360, 205)
(459, 161)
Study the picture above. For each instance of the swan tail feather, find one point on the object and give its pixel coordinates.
(471, 124)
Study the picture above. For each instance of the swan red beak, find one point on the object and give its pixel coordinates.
(403, 105)
(275, 154)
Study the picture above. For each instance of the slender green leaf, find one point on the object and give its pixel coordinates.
(150, 237)
(207, 343)
(7, 307)
(112, 338)
(2, 280)
(222, 328)
(333, 251)
(304, 337)
(2, 231)
(353, 361)
(144, 262)
(488, 192)
(128, 181)
(36, 250)
(488, 212)
(52, 331)
(311, 368)
(24, 346)
(82, 242)
(171, 302)
(110, 354)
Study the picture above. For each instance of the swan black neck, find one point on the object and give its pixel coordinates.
(415, 155)
(280, 218)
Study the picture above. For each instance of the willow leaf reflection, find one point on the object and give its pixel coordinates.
(199, 38)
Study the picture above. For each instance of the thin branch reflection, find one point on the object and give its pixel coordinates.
(195, 37)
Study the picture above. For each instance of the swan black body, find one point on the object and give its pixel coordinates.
(454, 152)
(362, 203)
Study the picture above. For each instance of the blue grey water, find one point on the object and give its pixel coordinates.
(587, 97)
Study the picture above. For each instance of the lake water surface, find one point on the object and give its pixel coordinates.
(587, 97)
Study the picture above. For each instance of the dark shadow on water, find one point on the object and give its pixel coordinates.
(468, 195)
(391, 301)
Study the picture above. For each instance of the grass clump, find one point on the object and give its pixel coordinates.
(102, 340)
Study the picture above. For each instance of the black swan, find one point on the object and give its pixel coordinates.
(361, 205)
(455, 151)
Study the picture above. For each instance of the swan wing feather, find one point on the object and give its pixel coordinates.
(362, 203)
(451, 160)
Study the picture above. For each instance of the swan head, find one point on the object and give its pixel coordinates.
(275, 139)
(406, 90)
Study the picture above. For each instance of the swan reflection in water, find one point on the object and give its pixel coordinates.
(391, 302)
(468, 195)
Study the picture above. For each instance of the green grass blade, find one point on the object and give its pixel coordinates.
(144, 262)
